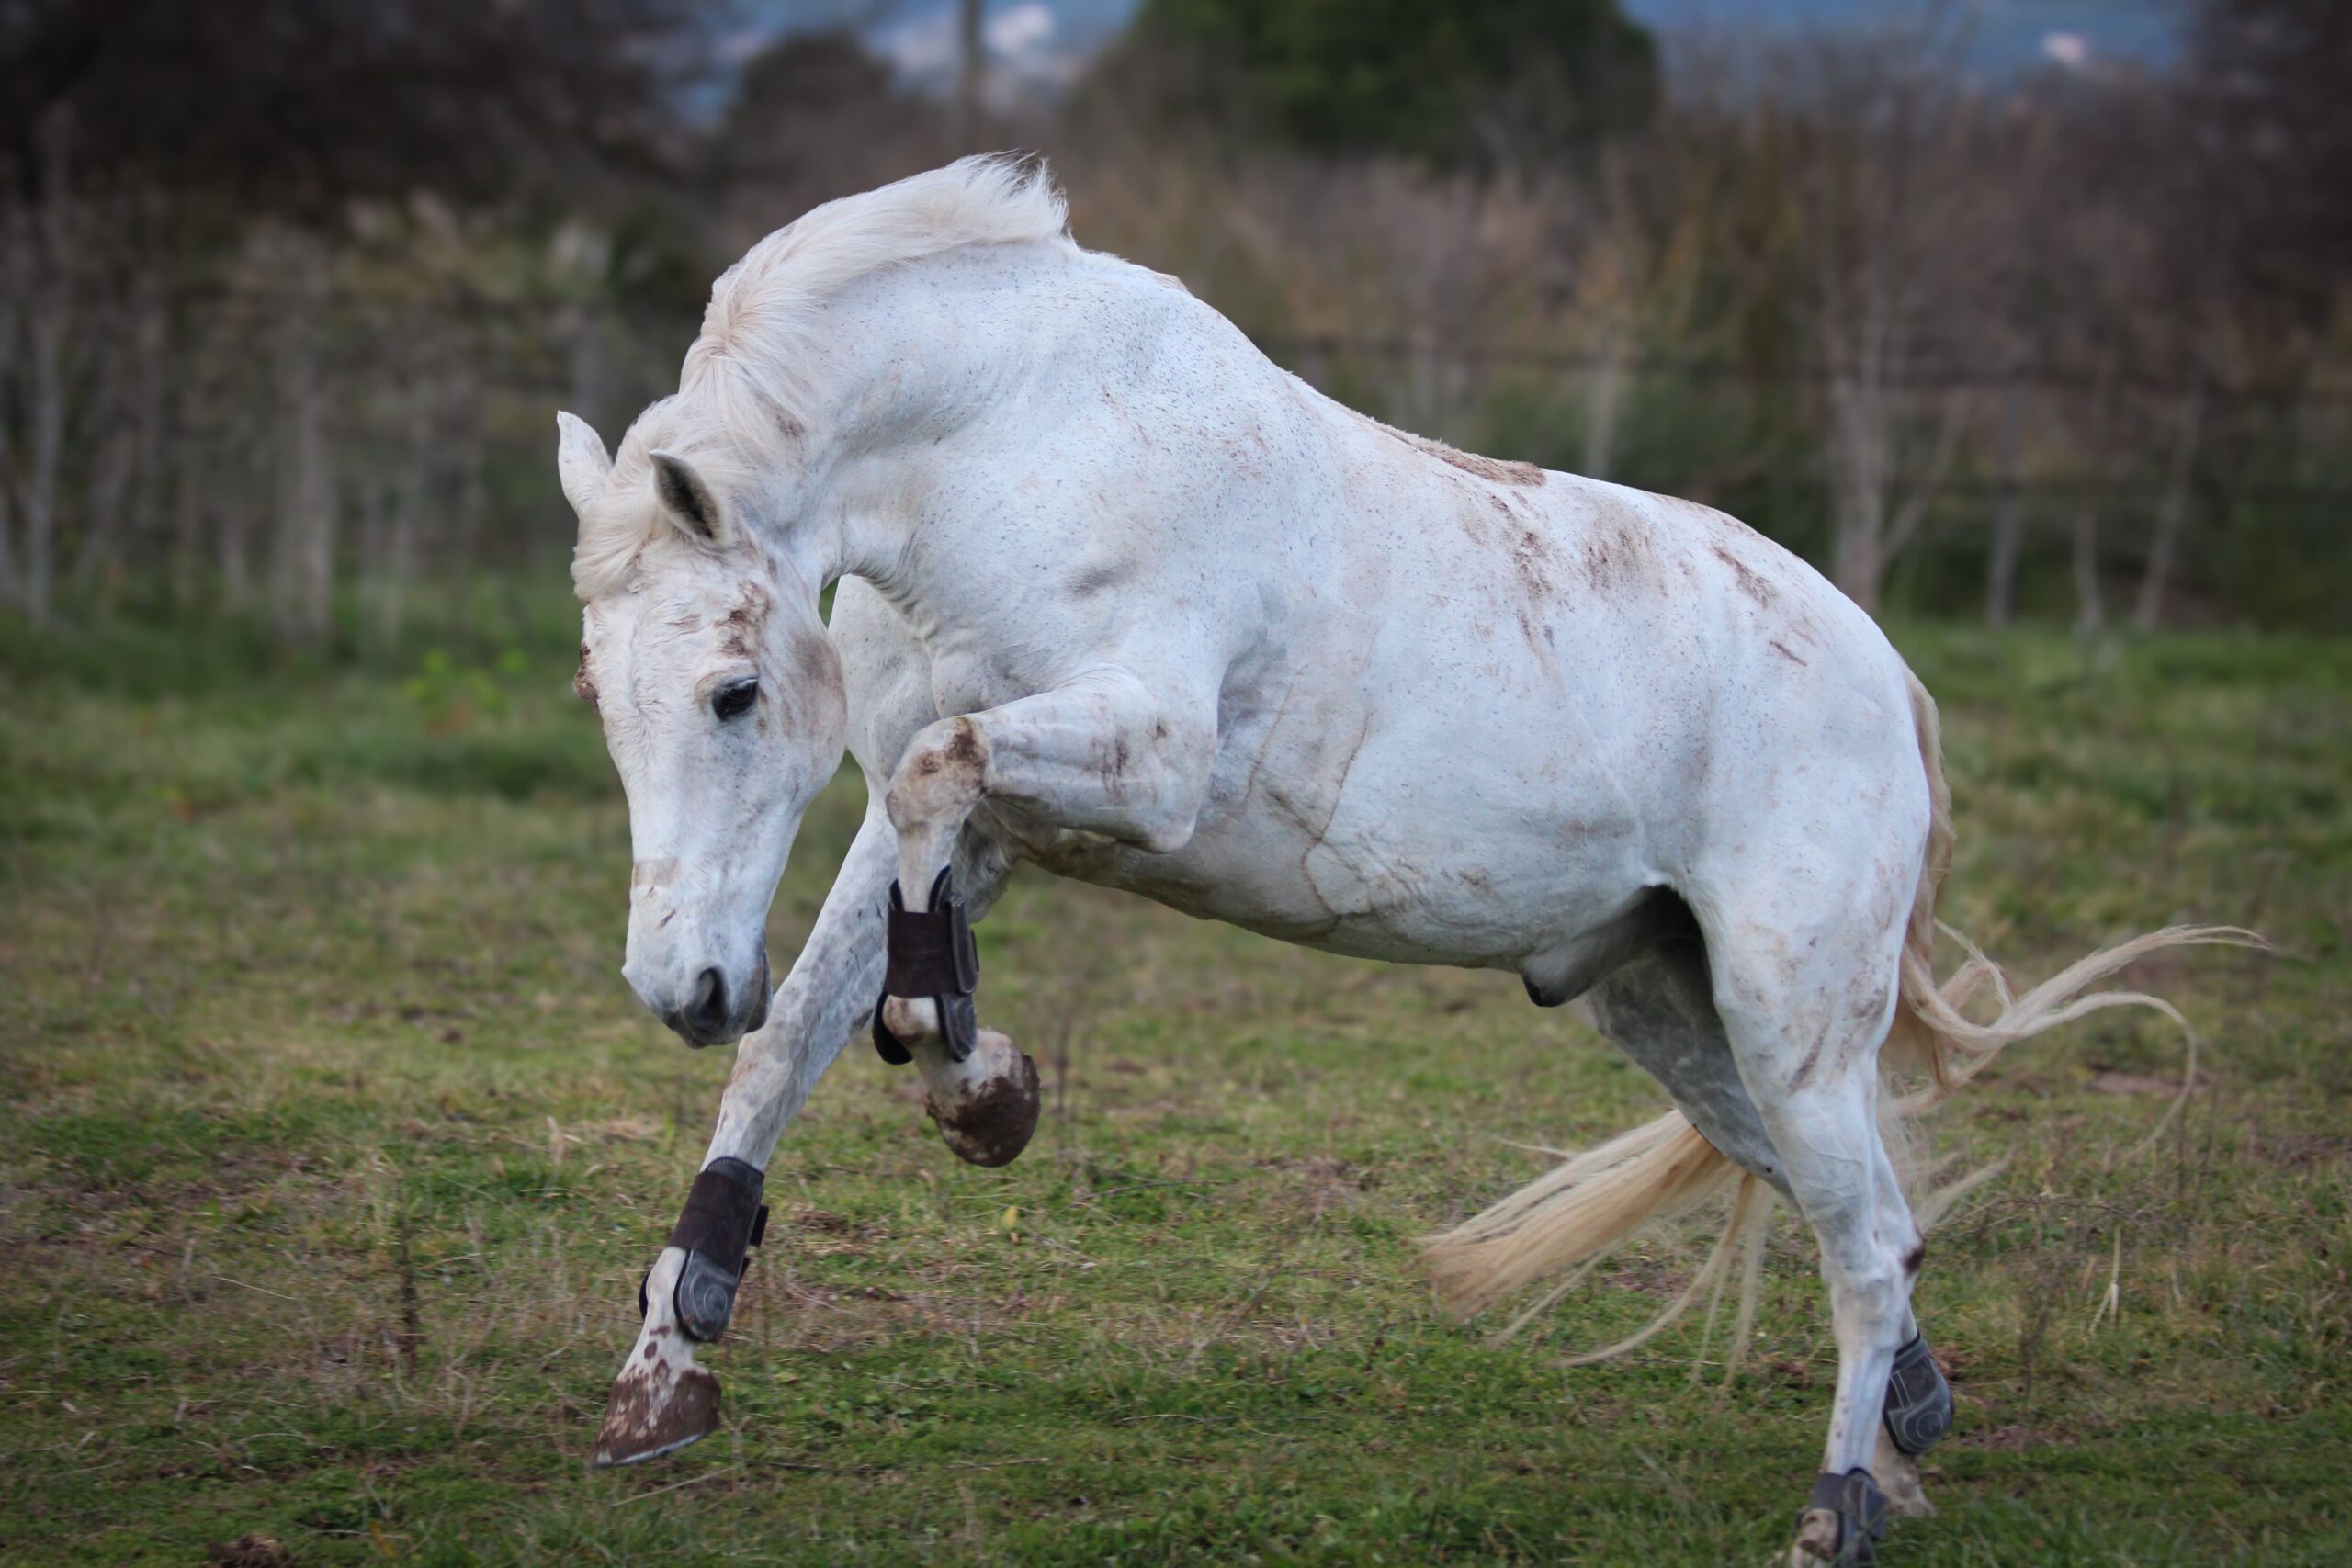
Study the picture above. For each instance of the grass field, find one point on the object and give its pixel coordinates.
(332, 1146)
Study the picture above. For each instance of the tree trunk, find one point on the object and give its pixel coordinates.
(51, 260)
(112, 393)
(591, 367)
(1856, 563)
(1419, 407)
(399, 561)
(236, 508)
(2009, 522)
(148, 412)
(187, 527)
(8, 584)
(1859, 443)
(304, 558)
(1315, 363)
(38, 501)
(2090, 612)
(315, 464)
(461, 472)
(1603, 400)
(237, 492)
(14, 260)
(104, 504)
(2170, 513)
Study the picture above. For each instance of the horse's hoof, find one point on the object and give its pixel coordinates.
(1842, 1524)
(988, 1110)
(1817, 1540)
(655, 1412)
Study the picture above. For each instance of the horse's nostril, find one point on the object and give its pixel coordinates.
(706, 1014)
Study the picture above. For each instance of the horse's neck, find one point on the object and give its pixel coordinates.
(916, 358)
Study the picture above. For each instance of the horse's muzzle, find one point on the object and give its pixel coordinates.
(717, 1013)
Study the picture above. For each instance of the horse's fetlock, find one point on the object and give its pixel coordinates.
(911, 1018)
(723, 1219)
(931, 955)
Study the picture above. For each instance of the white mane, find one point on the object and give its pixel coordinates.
(744, 382)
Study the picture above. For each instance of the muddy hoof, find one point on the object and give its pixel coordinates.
(1843, 1523)
(989, 1115)
(656, 1414)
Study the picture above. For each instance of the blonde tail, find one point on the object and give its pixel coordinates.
(1585, 1209)
(1932, 1035)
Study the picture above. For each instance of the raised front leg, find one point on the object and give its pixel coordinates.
(661, 1400)
(1104, 754)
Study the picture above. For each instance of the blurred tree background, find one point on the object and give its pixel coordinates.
(1494, 84)
(289, 289)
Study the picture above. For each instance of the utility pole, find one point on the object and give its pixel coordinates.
(970, 60)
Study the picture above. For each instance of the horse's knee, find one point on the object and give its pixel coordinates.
(940, 778)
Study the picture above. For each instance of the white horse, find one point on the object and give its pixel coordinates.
(1118, 596)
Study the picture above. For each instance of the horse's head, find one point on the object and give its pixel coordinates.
(720, 694)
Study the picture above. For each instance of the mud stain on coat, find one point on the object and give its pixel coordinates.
(1751, 582)
(739, 631)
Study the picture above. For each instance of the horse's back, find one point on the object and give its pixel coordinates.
(1677, 651)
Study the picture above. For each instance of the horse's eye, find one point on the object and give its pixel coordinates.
(735, 698)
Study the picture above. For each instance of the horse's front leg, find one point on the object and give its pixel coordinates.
(1105, 754)
(661, 1400)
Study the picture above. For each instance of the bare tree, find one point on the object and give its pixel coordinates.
(43, 273)
(1896, 237)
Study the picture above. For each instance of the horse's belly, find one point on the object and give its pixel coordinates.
(1385, 860)
(1298, 891)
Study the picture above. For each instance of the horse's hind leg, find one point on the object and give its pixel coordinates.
(1659, 1007)
(1805, 994)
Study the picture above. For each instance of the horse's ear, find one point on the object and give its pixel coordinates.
(581, 463)
(688, 501)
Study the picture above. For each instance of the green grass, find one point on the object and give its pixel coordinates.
(334, 1146)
